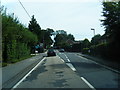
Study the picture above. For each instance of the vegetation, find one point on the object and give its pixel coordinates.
(16, 38)
(61, 39)
(19, 41)
(107, 46)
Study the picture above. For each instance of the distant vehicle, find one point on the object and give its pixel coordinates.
(51, 52)
(61, 50)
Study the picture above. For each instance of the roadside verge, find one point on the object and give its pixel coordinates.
(13, 73)
(114, 66)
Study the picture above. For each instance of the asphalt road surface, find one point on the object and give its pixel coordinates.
(69, 70)
(97, 75)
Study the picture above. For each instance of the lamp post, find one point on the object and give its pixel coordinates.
(93, 31)
(93, 39)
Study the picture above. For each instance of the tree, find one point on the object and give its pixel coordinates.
(71, 37)
(96, 39)
(46, 37)
(111, 22)
(85, 43)
(35, 27)
(61, 39)
(16, 39)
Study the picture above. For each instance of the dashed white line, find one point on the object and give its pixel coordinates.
(67, 58)
(61, 59)
(15, 86)
(88, 83)
(68, 64)
(71, 66)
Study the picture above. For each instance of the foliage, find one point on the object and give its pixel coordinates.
(85, 51)
(111, 22)
(35, 27)
(85, 43)
(96, 39)
(46, 37)
(61, 39)
(16, 38)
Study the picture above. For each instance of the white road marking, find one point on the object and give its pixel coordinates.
(100, 64)
(67, 58)
(15, 86)
(88, 83)
(61, 59)
(71, 66)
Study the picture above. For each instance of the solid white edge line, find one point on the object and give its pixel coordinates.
(101, 64)
(27, 74)
(87, 83)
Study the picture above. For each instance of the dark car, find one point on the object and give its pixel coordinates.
(51, 52)
(61, 50)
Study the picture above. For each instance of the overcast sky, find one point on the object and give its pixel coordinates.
(74, 16)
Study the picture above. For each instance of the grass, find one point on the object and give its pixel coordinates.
(17, 60)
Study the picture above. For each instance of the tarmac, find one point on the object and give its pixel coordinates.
(11, 74)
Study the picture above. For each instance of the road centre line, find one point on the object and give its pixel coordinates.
(15, 86)
(69, 65)
(88, 83)
(67, 58)
(61, 58)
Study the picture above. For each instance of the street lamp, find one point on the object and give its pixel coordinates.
(93, 39)
(93, 31)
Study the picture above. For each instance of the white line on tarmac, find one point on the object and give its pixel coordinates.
(61, 59)
(71, 66)
(100, 64)
(67, 58)
(88, 83)
(15, 86)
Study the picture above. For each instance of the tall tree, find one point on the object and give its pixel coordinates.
(35, 27)
(46, 37)
(111, 22)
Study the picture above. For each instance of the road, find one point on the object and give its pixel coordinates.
(69, 70)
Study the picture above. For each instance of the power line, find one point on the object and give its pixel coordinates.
(24, 9)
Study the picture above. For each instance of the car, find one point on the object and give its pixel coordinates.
(51, 52)
(61, 50)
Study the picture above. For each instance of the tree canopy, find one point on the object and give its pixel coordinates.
(111, 22)
(62, 37)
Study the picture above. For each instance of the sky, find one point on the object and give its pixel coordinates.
(76, 17)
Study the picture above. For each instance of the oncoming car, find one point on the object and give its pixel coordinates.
(51, 52)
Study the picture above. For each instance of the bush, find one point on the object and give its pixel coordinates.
(103, 50)
(17, 40)
(85, 50)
